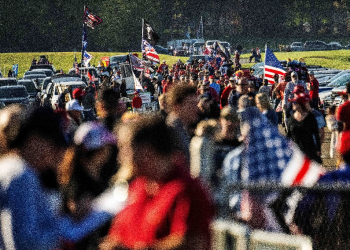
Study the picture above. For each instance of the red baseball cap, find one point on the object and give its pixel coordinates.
(343, 145)
(77, 93)
(211, 77)
(344, 92)
(298, 89)
(300, 98)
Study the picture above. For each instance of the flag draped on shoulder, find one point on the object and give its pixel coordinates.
(91, 19)
(149, 52)
(149, 34)
(272, 66)
(270, 157)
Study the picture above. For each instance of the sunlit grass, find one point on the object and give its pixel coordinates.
(337, 59)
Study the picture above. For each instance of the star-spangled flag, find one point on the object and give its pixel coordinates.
(272, 66)
(87, 58)
(149, 33)
(91, 19)
(149, 52)
(136, 62)
(269, 157)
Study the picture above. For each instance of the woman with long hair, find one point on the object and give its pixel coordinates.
(303, 129)
(263, 104)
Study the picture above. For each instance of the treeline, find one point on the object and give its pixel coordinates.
(41, 25)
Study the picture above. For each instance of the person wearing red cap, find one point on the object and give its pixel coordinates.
(136, 102)
(344, 111)
(302, 128)
(226, 92)
(78, 94)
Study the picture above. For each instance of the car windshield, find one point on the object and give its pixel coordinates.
(297, 44)
(117, 59)
(29, 73)
(341, 81)
(13, 92)
(333, 78)
(8, 82)
(209, 43)
(225, 44)
(46, 82)
(30, 86)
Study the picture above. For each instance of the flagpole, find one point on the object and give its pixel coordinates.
(143, 26)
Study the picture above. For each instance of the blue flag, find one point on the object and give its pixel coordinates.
(15, 70)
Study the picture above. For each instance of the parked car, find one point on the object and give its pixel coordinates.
(31, 87)
(204, 58)
(14, 94)
(53, 90)
(43, 66)
(196, 47)
(296, 46)
(34, 72)
(47, 72)
(335, 45)
(8, 81)
(114, 61)
(179, 51)
(209, 43)
(316, 45)
(37, 78)
(161, 50)
(226, 45)
(84, 71)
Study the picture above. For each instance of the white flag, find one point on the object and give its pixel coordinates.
(137, 84)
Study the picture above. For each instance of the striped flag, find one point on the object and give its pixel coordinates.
(149, 52)
(269, 157)
(272, 66)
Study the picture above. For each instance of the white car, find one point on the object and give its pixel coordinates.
(53, 90)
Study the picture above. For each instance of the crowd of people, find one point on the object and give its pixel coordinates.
(64, 173)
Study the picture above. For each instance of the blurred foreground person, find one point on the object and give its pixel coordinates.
(85, 173)
(10, 120)
(263, 104)
(28, 220)
(107, 107)
(167, 209)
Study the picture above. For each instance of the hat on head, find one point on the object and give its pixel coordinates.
(170, 78)
(163, 61)
(300, 98)
(93, 135)
(163, 82)
(239, 73)
(136, 93)
(77, 93)
(232, 78)
(73, 105)
(298, 89)
(343, 145)
(211, 77)
(344, 92)
(226, 76)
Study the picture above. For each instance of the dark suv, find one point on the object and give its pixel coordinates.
(316, 45)
(8, 81)
(14, 94)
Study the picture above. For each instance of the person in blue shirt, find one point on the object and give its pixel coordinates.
(29, 219)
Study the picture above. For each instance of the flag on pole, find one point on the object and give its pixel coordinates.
(149, 34)
(137, 84)
(136, 62)
(91, 19)
(272, 66)
(87, 58)
(270, 157)
(149, 52)
(219, 49)
(188, 33)
(15, 70)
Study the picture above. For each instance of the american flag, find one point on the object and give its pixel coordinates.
(87, 58)
(272, 66)
(77, 71)
(269, 157)
(149, 52)
(136, 62)
(91, 19)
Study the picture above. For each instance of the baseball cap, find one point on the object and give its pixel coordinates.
(73, 105)
(93, 135)
(298, 89)
(300, 98)
(232, 78)
(77, 93)
(344, 92)
(211, 77)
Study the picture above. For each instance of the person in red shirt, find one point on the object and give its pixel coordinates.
(313, 87)
(343, 114)
(168, 84)
(226, 92)
(166, 207)
(136, 102)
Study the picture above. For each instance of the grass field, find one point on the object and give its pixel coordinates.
(337, 59)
